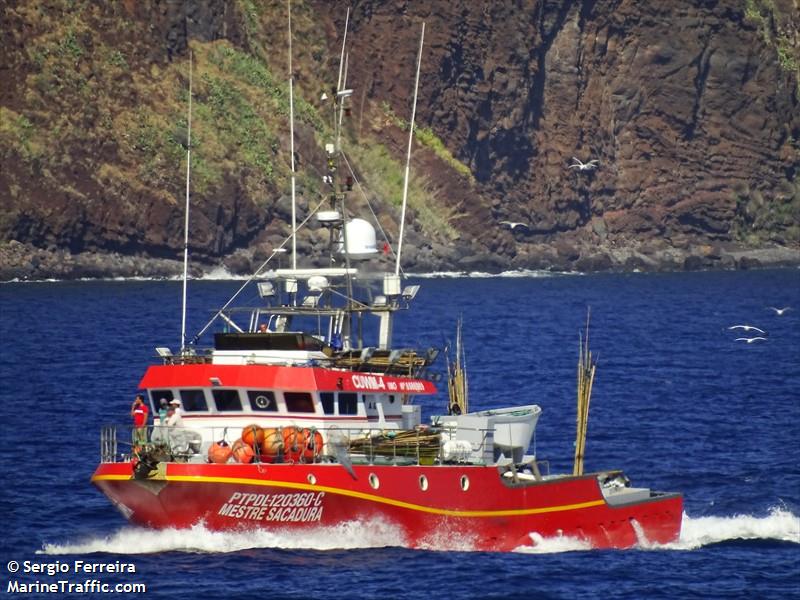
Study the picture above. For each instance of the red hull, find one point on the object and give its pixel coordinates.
(495, 514)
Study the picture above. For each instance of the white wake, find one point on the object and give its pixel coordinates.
(136, 540)
(779, 525)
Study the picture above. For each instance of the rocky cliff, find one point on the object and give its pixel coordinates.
(689, 111)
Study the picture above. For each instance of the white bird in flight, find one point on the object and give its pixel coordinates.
(780, 311)
(747, 328)
(751, 340)
(584, 166)
(514, 224)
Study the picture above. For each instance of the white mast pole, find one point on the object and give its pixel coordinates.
(291, 143)
(338, 102)
(341, 57)
(186, 217)
(408, 156)
(341, 102)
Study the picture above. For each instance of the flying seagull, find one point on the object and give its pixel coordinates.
(584, 166)
(780, 311)
(751, 340)
(514, 224)
(747, 328)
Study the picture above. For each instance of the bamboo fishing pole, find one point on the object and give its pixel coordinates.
(586, 372)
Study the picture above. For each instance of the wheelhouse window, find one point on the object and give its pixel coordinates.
(299, 402)
(348, 403)
(327, 402)
(227, 400)
(262, 400)
(193, 401)
(369, 401)
(157, 395)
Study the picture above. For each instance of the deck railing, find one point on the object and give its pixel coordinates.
(108, 444)
(341, 445)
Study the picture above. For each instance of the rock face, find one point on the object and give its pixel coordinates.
(686, 111)
(690, 110)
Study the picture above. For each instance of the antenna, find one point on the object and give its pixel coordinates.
(344, 44)
(408, 155)
(291, 142)
(340, 83)
(341, 96)
(186, 218)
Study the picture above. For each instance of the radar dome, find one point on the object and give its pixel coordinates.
(361, 241)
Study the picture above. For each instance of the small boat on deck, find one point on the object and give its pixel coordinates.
(303, 414)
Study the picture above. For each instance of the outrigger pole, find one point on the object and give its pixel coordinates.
(186, 216)
(408, 156)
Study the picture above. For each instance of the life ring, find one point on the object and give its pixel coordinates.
(263, 402)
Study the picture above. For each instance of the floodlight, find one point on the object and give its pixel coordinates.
(266, 289)
(410, 291)
(318, 283)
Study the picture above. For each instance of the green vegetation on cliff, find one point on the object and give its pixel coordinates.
(774, 22)
(102, 105)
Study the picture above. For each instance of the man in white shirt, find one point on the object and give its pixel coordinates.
(174, 419)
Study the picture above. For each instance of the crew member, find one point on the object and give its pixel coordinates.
(175, 419)
(139, 414)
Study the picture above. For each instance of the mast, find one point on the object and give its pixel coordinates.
(408, 156)
(291, 141)
(341, 96)
(186, 217)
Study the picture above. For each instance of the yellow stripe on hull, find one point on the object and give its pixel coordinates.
(363, 496)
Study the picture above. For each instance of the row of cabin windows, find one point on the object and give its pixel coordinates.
(260, 401)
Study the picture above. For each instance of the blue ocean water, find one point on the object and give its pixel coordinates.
(678, 403)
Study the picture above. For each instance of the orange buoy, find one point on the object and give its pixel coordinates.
(253, 435)
(293, 443)
(272, 445)
(219, 452)
(312, 447)
(242, 452)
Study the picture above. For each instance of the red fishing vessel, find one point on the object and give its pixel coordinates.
(302, 414)
(334, 436)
